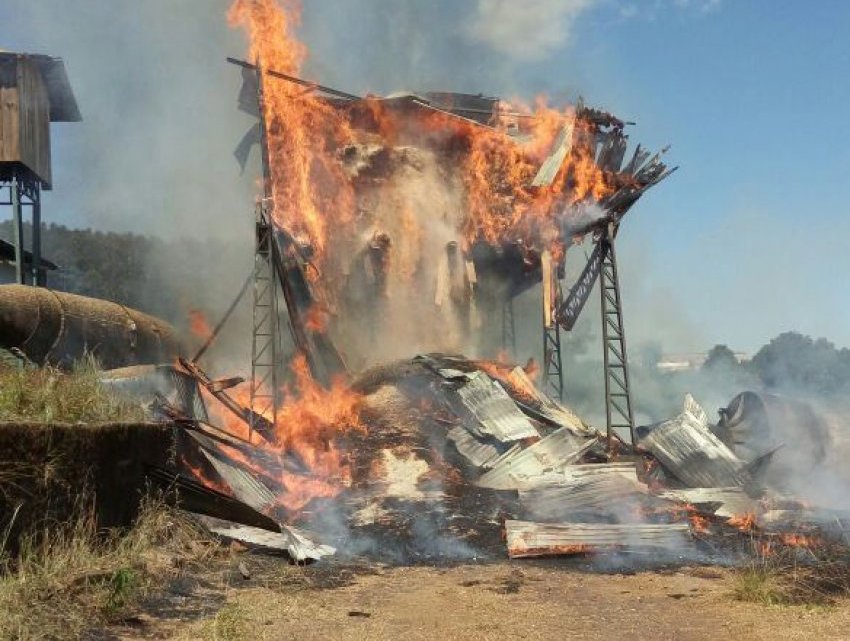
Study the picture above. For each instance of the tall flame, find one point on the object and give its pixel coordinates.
(309, 190)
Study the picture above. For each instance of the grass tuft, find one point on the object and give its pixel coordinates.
(49, 395)
(72, 578)
(796, 576)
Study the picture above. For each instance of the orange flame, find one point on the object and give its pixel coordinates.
(198, 324)
(314, 199)
(745, 522)
(309, 190)
(310, 421)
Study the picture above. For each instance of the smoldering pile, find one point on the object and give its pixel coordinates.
(453, 457)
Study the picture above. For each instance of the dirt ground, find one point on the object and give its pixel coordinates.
(502, 600)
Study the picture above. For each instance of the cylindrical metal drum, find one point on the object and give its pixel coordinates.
(58, 328)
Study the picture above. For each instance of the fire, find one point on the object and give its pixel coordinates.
(309, 423)
(198, 324)
(699, 523)
(799, 540)
(745, 522)
(310, 193)
(314, 199)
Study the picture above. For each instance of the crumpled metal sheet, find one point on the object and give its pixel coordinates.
(497, 414)
(525, 467)
(543, 407)
(479, 453)
(530, 539)
(245, 487)
(687, 448)
(731, 501)
(294, 542)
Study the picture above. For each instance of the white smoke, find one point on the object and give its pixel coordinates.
(528, 30)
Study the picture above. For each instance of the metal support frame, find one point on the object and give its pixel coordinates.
(265, 340)
(618, 399)
(508, 326)
(24, 190)
(553, 370)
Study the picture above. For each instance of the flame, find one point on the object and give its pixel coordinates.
(316, 319)
(314, 199)
(309, 423)
(745, 522)
(799, 540)
(699, 523)
(310, 193)
(199, 325)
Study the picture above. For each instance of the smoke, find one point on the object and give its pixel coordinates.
(529, 30)
(154, 151)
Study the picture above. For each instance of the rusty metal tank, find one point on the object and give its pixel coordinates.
(58, 328)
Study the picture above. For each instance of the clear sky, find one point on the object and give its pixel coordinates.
(749, 238)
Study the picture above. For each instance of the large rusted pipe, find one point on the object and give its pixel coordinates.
(58, 328)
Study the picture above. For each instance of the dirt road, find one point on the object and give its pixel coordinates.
(477, 602)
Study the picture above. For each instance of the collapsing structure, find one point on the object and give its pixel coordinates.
(416, 219)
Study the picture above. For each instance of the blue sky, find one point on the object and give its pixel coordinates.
(749, 238)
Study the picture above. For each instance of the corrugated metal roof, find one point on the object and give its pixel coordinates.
(497, 414)
(546, 407)
(525, 468)
(7, 253)
(529, 539)
(244, 486)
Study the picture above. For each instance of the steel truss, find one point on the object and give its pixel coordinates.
(19, 189)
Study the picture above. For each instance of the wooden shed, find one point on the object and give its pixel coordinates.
(34, 91)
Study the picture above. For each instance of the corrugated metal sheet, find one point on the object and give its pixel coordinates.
(477, 452)
(601, 494)
(691, 452)
(295, 543)
(525, 468)
(546, 408)
(529, 539)
(244, 486)
(732, 501)
(497, 415)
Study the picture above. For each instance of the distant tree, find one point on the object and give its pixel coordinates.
(720, 358)
(793, 361)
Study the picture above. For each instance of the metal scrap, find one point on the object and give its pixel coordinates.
(529, 539)
(294, 542)
(497, 415)
(687, 448)
(526, 467)
(600, 494)
(730, 501)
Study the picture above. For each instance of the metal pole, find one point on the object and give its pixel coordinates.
(39, 276)
(18, 232)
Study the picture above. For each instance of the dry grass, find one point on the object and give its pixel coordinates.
(69, 579)
(50, 396)
(794, 576)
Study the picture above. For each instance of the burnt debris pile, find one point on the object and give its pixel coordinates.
(452, 458)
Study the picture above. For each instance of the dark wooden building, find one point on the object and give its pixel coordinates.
(34, 91)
